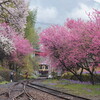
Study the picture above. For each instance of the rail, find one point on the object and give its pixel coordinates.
(60, 94)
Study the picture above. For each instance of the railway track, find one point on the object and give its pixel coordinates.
(59, 94)
(17, 91)
(20, 90)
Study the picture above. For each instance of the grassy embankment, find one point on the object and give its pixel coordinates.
(75, 87)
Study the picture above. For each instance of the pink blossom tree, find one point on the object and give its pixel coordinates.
(15, 13)
(88, 53)
(6, 43)
(74, 45)
(13, 19)
(12, 44)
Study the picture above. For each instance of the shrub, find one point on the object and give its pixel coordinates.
(85, 77)
(54, 74)
(1, 79)
(5, 74)
(17, 77)
(67, 75)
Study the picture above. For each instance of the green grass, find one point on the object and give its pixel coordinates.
(4, 82)
(87, 90)
(1, 68)
(32, 77)
(81, 88)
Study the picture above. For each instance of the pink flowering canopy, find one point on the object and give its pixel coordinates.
(22, 45)
(75, 42)
(13, 20)
(12, 43)
(6, 42)
(14, 12)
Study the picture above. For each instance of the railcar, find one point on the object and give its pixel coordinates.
(43, 70)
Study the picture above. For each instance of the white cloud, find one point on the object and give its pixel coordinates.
(98, 1)
(50, 12)
(81, 12)
(45, 14)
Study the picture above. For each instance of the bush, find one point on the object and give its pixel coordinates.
(85, 77)
(1, 79)
(5, 74)
(17, 77)
(54, 74)
(67, 75)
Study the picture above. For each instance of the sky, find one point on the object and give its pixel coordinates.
(53, 12)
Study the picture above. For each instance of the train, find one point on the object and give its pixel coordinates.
(43, 70)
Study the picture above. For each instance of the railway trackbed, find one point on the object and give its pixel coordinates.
(34, 90)
(17, 91)
(59, 94)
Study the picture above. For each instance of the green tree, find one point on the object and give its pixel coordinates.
(32, 36)
(30, 32)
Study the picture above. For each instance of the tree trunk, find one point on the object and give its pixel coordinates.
(92, 78)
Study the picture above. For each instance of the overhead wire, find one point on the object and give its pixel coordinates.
(42, 23)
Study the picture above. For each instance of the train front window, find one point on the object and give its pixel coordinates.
(40, 67)
(43, 67)
(46, 67)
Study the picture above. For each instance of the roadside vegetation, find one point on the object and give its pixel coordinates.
(85, 89)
